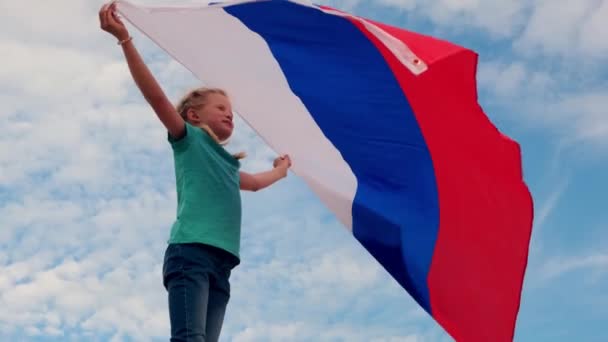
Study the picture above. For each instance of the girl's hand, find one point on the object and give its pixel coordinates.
(282, 162)
(111, 23)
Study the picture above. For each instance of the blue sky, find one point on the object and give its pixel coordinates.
(87, 193)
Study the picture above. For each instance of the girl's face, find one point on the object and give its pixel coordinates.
(217, 114)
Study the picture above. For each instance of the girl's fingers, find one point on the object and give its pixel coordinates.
(102, 15)
(113, 9)
(117, 19)
(113, 17)
(108, 15)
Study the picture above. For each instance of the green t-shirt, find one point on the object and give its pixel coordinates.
(208, 192)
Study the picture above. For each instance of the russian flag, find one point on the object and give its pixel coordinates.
(384, 125)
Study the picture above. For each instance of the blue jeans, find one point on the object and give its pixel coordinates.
(196, 277)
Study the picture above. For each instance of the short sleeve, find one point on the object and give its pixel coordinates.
(182, 143)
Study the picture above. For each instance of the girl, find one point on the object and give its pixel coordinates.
(204, 242)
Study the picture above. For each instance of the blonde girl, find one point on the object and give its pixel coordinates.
(204, 242)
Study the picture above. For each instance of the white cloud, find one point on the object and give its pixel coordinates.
(401, 4)
(578, 117)
(568, 28)
(38, 21)
(594, 31)
(554, 25)
(111, 301)
(499, 18)
(62, 74)
(588, 112)
(278, 332)
(559, 266)
(546, 208)
(89, 204)
(546, 100)
(514, 80)
(299, 331)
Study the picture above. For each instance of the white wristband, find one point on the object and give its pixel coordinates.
(125, 40)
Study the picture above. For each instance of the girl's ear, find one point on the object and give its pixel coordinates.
(192, 115)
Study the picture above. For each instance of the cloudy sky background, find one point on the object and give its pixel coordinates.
(87, 186)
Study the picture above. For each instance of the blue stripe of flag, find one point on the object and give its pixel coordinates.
(353, 96)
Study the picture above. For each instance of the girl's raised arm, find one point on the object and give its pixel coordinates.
(142, 76)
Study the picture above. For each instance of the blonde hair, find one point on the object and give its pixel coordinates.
(196, 99)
